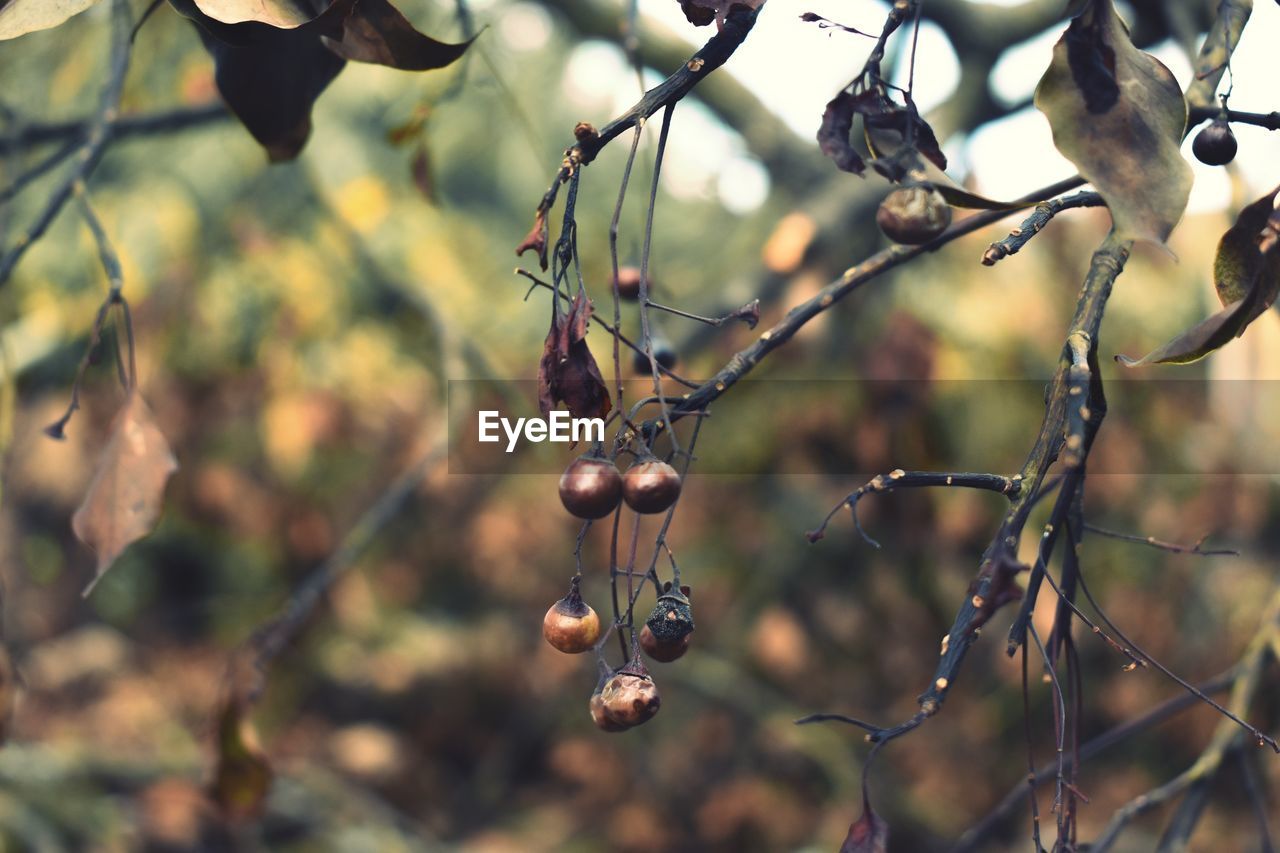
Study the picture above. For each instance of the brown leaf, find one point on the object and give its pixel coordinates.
(124, 498)
(19, 17)
(867, 834)
(568, 372)
(1118, 114)
(536, 239)
(242, 777)
(1243, 272)
(284, 14)
(833, 135)
(376, 32)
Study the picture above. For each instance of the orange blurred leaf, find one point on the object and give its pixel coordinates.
(124, 498)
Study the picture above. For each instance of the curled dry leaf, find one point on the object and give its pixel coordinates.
(19, 17)
(273, 58)
(833, 134)
(1246, 274)
(1118, 114)
(242, 776)
(568, 372)
(867, 834)
(124, 498)
(536, 239)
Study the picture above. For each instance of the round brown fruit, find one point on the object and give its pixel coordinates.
(663, 353)
(913, 215)
(663, 652)
(600, 718)
(651, 486)
(571, 626)
(628, 282)
(590, 487)
(1215, 145)
(630, 697)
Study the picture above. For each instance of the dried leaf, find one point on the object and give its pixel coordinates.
(833, 135)
(376, 32)
(1247, 268)
(1118, 114)
(242, 778)
(284, 14)
(274, 58)
(536, 239)
(867, 834)
(1239, 259)
(568, 371)
(19, 17)
(124, 498)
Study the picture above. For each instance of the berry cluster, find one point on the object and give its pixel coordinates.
(592, 488)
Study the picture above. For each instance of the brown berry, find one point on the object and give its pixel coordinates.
(650, 486)
(630, 697)
(590, 487)
(913, 215)
(663, 353)
(600, 718)
(570, 625)
(1215, 145)
(628, 282)
(663, 652)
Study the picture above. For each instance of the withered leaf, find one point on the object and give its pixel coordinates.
(567, 371)
(242, 776)
(124, 498)
(536, 240)
(867, 834)
(274, 58)
(19, 17)
(1118, 114)
(833, 135)
(376, 32)
(1246, 271)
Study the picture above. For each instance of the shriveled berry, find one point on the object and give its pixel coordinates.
(590, 487)
(650, 486)
(661, 650)
(1215, 145)
(600, 718)
(628, 282)
(630, 697)
(571, 626)
(913, 215)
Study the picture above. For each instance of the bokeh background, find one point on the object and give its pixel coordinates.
(298, 326)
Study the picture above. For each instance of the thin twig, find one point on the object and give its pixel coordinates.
(1171, 547)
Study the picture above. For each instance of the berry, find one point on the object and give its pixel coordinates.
(1215, 145)
(570, 625)
(590, 487)
(630, 697)
(600, 718)
(663, 353)
(913, 215)
(660, 651)
(629, 282)
(650, 486)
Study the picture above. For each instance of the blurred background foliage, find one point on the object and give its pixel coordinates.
(297, 325)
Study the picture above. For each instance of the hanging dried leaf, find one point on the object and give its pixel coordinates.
(1118, 114)
(376, 32)
(867, 834)
(536, 240)
(124, 498)
(568, 372)
(833, 135)
(19, 17)
(273, 58)
(242, 777)
(1246, 271)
